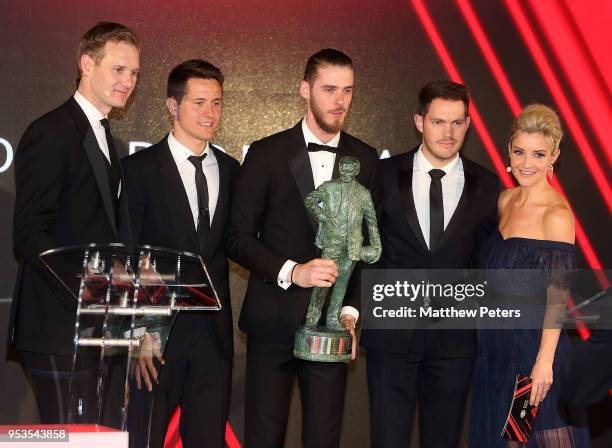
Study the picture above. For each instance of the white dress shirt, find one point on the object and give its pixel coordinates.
(452, 187)
(181, 155)
(321, 162)
(322, 165)
(94, 116)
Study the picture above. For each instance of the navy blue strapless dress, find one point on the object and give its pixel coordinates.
(502, 354)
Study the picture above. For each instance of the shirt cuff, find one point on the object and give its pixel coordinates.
(350, 311)
(284, 276)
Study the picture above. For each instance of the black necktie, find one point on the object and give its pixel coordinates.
(203, 212)
(314, 147)
(114, 172)
(436, 208)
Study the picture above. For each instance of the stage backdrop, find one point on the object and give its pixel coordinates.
(510, 53)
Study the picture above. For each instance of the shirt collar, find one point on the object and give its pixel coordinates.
(91, 112)
(181, 153)
(309, 137)
(422, 164)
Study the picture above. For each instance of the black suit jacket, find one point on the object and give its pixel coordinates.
(269, 224)
(159, 215)
(62, 198)
(404, 246)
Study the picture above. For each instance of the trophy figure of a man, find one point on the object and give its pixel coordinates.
(340, 206)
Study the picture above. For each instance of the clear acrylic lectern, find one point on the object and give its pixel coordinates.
(126, 299)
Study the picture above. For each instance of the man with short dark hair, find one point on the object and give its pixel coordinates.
(435, 200)
(67, 179)
(272, 235)
(177, 193)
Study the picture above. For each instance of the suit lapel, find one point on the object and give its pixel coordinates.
(404, 180)
(216, 228)
(97, 161)
(175, 192)
(343, 150)
(461, 212)
(299, 163)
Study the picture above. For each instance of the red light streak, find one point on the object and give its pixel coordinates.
(558, 94)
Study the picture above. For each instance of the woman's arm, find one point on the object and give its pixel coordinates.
(558, 226)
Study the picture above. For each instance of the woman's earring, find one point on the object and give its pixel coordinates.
(509, 169)
(551, 170)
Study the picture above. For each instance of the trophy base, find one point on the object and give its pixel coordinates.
(323, 344)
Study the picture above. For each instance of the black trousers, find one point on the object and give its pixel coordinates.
(396, 381)
(271, 370)
(50, 376)
(197, 377)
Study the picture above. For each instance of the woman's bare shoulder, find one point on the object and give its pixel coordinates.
(559, 221)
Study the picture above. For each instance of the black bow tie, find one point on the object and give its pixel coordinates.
(314, 147)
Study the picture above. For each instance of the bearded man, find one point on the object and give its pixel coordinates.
(272, 235)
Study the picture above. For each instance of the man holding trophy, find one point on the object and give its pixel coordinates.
(272, 234)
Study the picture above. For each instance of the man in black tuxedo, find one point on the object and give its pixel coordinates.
(434, 201)
(177, 193)
(272, 235)
(67, 178)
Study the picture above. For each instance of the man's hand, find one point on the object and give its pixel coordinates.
(145, 368)
(348, 322)
(318, 272)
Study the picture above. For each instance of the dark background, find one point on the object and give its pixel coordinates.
(262, 46)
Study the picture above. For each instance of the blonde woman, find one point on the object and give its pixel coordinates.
(536, 231)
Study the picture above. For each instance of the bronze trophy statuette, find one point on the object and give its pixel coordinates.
(339, 206)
